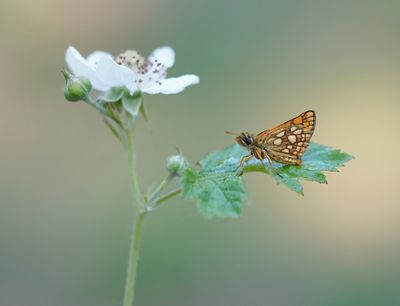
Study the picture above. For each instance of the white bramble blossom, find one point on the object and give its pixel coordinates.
(130, 70)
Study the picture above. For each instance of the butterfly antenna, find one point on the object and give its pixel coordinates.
(231, 133)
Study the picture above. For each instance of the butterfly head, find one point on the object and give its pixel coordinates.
(244, 139)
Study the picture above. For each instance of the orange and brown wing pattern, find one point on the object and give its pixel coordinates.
(287, 142)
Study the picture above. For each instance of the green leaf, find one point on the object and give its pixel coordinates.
(143, 112)
(317, 158)
(113, 130)
(217, 194)
(219, 189)
(113, 95)
(132, 104)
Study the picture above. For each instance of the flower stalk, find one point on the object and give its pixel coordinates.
(120, 82)
(162, 199)
(154, 196)
(141, 208)
(133, 170)
(130, 283)
(139, 214)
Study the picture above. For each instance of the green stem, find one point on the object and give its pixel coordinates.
(153, 197)
(133, 169)
(137, 225)
(166, 197)
(133, 260)
(89, 100)
(140, 213)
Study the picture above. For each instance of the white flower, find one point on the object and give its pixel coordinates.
(131, 70)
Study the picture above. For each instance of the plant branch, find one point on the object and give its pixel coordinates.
(89, 100)
(133, 260)
(139, 213)
(153, 197)
(133, 170)
(165, 197)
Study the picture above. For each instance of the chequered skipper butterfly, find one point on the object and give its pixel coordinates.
(285, 143)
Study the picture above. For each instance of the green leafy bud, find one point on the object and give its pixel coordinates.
(76, 88)
(176, 164)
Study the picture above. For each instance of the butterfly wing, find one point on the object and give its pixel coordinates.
(287, 142)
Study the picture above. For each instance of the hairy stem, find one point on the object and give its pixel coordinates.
(154, 196)
(89, 100)
(137, 224)
(133, 169)
(158, 202)
(133, 260)
(140, 210)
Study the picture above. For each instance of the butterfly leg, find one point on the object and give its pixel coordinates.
(242, 161)
(271, 166)
(245, 159)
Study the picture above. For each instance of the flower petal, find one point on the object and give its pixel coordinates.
(164, 55)
(79, 66)
(173, 85)
(95, 57)
(115, 75)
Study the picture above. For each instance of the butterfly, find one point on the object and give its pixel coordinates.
(285, 143)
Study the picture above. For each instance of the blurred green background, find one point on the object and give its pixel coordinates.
(64, 183)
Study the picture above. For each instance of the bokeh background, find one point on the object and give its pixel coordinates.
(64, 183)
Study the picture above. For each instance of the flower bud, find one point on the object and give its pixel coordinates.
(176, 164)
(76, 88)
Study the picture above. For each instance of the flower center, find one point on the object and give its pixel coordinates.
(131, 59)
(147, 71)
